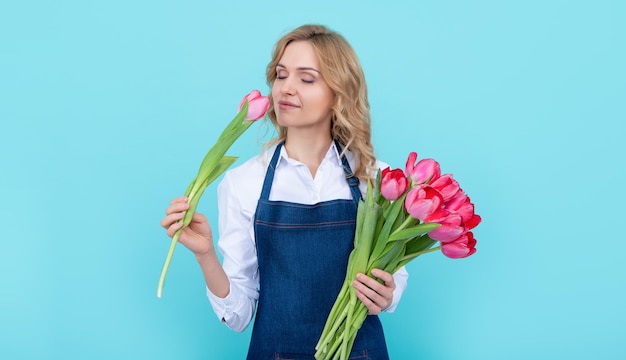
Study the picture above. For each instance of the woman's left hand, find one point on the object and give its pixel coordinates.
(375, 296)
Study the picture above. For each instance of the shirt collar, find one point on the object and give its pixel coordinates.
(332, 155)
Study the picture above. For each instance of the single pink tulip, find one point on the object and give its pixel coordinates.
(447, 186)
(425, 171)
(462, 247)
(463, 206)
(422, 201)
(393, 183)
(257, 105)
(451, 228)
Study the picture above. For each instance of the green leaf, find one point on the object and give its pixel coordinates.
(418, 245)
(389, 221)
(188, 191)
(360, 217)
(369, 215)
(413, 232)
(233, 130)
(221, 166)
(391, 254)
(378, 197)
(415, 248)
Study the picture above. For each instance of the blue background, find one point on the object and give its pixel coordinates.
(107, 108)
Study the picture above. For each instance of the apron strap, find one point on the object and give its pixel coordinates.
(353, 181)
(269, 176)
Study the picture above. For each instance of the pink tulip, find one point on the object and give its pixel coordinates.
(447, 186)
(462, 247)
(463, 206)
(257, 105)
(425, 171)
(422, 201)
(393, 183)
(451, 228)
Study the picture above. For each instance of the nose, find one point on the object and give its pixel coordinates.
(287, 87)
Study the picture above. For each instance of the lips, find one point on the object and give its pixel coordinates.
(286, 105)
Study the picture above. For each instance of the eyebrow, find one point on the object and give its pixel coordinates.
(301, 68)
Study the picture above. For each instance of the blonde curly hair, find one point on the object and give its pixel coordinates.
(341, 70)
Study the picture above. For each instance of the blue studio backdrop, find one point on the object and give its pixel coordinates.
(107, 108)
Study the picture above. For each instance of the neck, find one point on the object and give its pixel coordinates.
(309, 150)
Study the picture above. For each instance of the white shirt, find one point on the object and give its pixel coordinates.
(237, 197)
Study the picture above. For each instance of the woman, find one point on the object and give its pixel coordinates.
(287, 216)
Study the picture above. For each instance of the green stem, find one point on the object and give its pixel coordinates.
(337, 355)
(334, 312)
(356, 325)
(406, 259)
(201, 185)
(193, 203)
(329, 337)
(168, 259)
(406, 223)
(346, 334)
(336, 342)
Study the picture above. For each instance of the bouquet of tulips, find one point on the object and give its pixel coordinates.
(252, 107)
(404, 214)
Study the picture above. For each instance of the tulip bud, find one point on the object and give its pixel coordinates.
(451, 228)
(257, 105)
(462, 247)
(393, 184)
(446, 185)
(422, 201)
(425, 171)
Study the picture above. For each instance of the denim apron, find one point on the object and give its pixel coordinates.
(303, 254)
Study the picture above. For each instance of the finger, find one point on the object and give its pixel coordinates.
(381, 294)
(372, 309)
(177, 206)
(386, 277)
(370, 288)
(371, 283)
(170, 219)
(173, 228)
(179, 199)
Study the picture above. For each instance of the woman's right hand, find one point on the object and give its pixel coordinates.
(197, 236)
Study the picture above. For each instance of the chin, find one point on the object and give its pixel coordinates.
(284, 121)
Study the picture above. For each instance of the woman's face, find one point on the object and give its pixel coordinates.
(302, 99)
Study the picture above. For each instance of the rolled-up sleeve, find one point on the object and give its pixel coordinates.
(400, 278)
(236, 245)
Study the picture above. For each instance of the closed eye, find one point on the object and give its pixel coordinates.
(281, 74)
